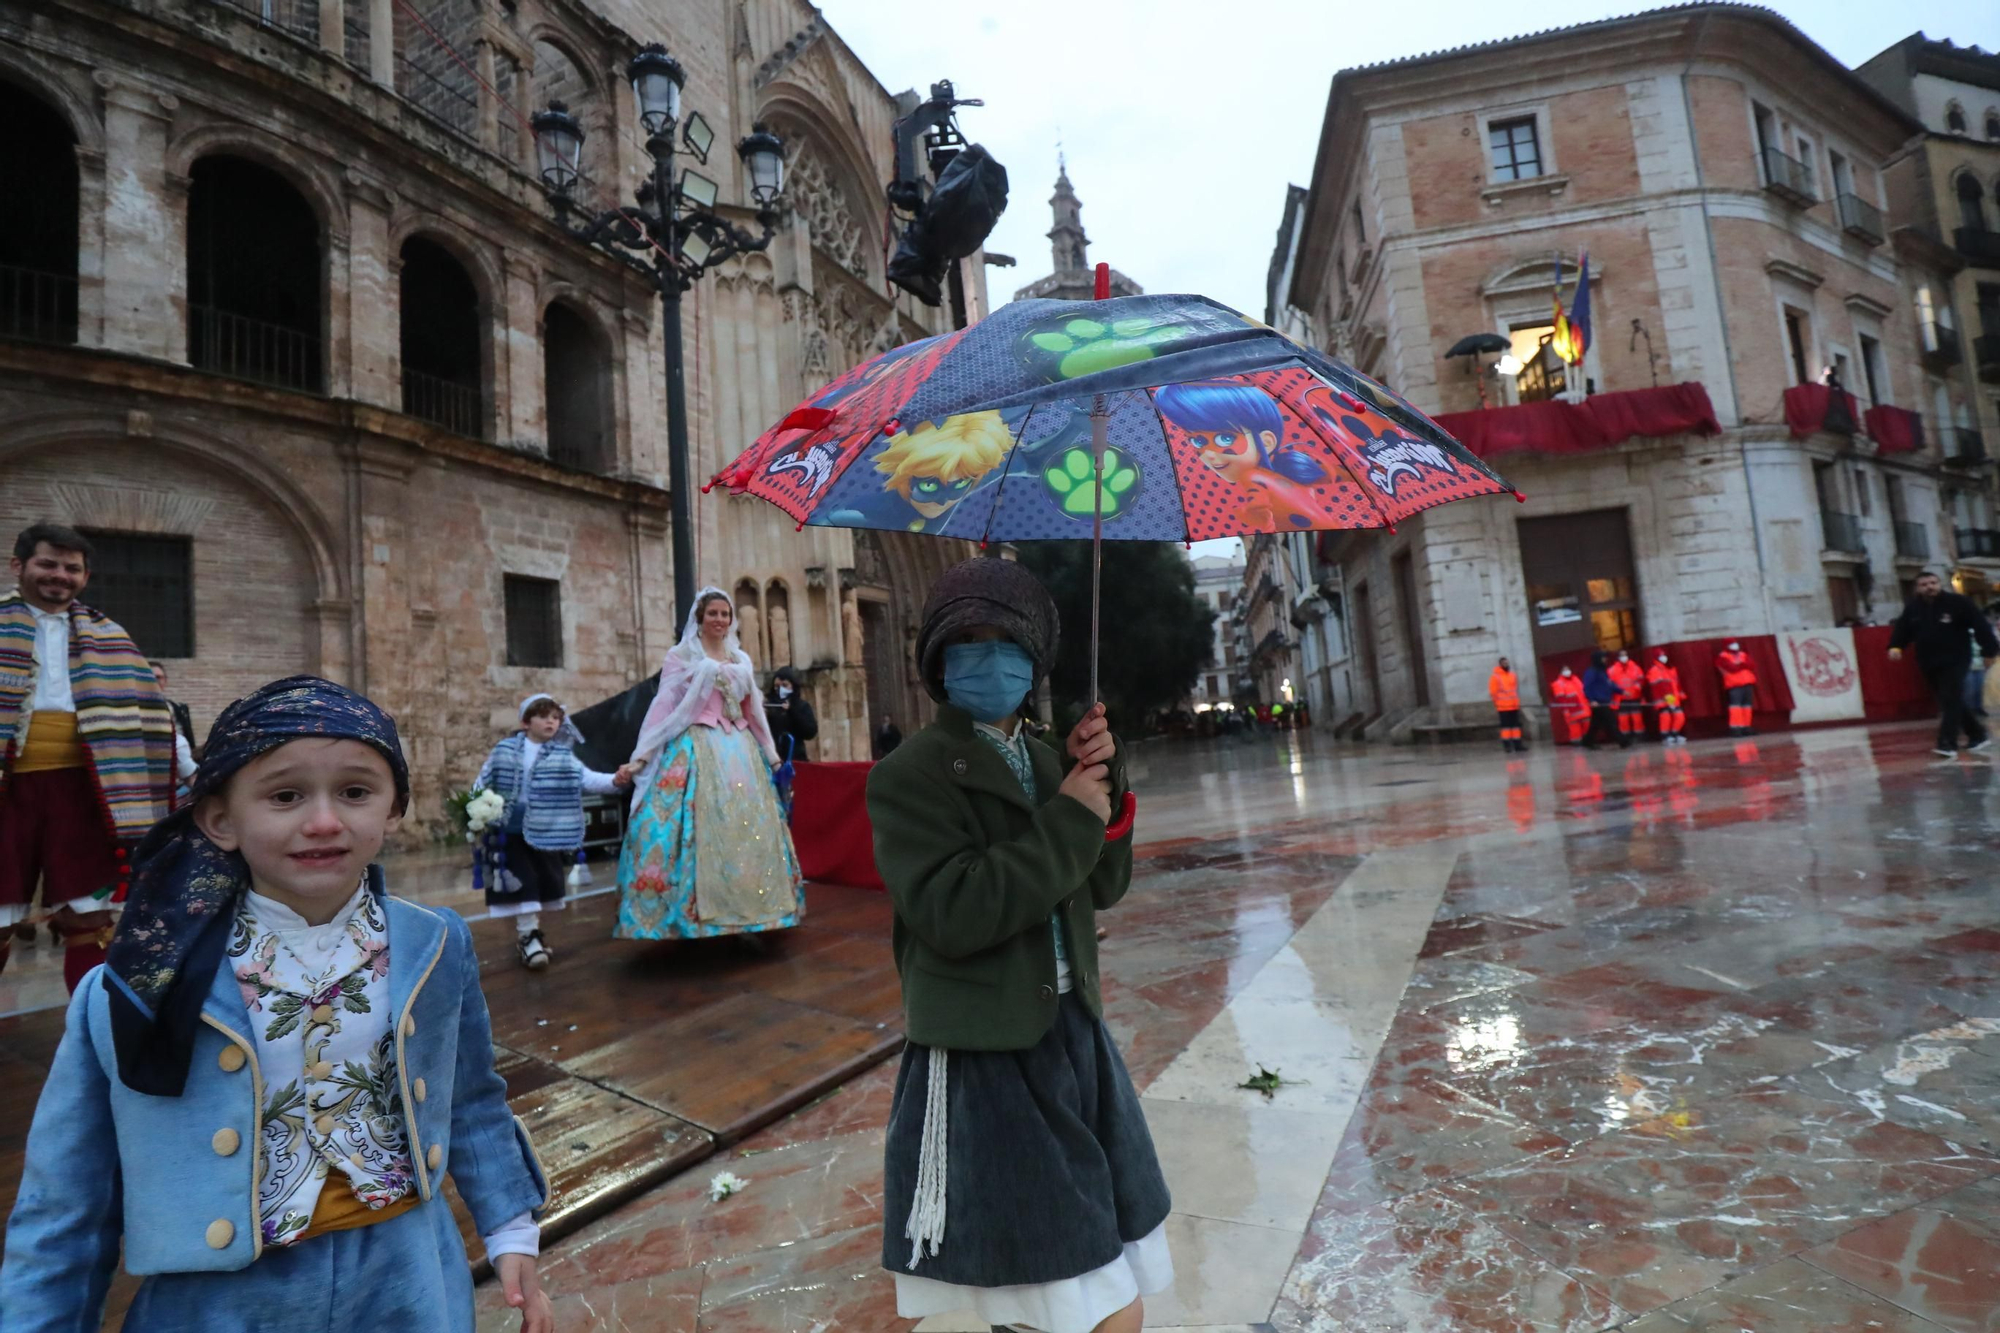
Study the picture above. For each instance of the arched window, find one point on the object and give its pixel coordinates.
(1971, 204)
(254, 276)
(1954, 118)
(1993, 124)
(440, 316)
(38, 225)
(750, 622)
(576, 378)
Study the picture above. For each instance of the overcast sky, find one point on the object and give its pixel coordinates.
(1183, 120)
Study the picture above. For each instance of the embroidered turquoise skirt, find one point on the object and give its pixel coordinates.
(406, 1273)
(707, 851)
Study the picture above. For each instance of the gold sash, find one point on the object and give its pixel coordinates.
(338, 1209)
(52, 742)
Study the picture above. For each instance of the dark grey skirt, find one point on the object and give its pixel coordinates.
(1050, 1169)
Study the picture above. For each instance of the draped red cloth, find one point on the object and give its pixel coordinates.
(830, 825)
(1890, 691)
(1806, 407)
(1602, 420)
(1895, 430)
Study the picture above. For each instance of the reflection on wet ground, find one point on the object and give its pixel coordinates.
(1701, 1038)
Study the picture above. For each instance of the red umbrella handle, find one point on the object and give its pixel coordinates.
(1127, 812)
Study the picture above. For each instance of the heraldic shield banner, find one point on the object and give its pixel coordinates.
(1825, 681)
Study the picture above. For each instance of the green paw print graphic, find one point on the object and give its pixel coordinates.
(1068, 479)
(1085, 346)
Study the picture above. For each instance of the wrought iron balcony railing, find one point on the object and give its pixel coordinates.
(1789, 179)
(1843, 531)
(1912, 541)
(1860, 219)
(36, 305)
(443, 402)
(249, 349)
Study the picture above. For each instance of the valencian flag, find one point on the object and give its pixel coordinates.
(1572, 335)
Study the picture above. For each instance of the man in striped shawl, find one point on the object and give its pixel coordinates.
(86, 750)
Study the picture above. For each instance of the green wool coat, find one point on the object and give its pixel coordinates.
(975, 868)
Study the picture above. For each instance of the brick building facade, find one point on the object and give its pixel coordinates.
(285, 324)
(1725, 177)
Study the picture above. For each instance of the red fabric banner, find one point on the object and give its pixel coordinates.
(1677, 409)
(1895, 430)
(1890, 691)
(830, 825)
(1602, 420)
(1806, 407)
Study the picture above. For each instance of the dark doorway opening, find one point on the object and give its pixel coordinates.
(254, 276)
(440, 319)
(1582, 589)
(38, 225)
(576, 377)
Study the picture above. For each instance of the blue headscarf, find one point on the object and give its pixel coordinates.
(185, 889)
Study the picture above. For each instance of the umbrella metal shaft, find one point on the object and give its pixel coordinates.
(1099, 426)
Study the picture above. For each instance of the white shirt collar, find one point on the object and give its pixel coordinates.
(62, 615)
(272, 915)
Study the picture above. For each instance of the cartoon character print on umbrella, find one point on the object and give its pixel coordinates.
(1066, 346)
(792, 467)
(920, 478)
(1406, 472)
(1240, 468)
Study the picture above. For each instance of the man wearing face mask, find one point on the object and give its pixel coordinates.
(792, 719)
(997, 856)
(1664, 684)
(1570, 710)
(1629, 678)
(1739, 686)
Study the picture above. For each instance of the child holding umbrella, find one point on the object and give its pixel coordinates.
(997, 854)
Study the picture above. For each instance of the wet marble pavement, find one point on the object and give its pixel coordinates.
(1703, 1039)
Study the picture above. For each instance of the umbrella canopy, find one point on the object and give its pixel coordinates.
(1216, 426)
(1473, 344)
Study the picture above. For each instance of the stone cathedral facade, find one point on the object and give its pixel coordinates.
(287, 329)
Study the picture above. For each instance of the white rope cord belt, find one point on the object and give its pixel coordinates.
(927, 1209)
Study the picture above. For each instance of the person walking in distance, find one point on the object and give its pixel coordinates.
(1942, 626)
(1602, 695)
(1569, 711)
(1505, 690)
(86, 749)
(1663, 683)
(1630, 679)
(1739, 686)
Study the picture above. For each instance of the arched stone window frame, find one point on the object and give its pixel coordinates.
(1522, 292)
(589, 308)
(86, 130)
(323, 195)
(481, 263)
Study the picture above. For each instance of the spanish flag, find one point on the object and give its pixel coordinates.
(1572, 332)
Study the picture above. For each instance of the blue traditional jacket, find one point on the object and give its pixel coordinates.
(544, 806)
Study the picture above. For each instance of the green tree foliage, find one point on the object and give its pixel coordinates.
(1157, 633)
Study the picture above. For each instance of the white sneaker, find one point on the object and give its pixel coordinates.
(535, 955)
(1984, 745)
(1945, 754)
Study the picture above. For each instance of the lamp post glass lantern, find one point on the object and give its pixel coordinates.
(672, 236)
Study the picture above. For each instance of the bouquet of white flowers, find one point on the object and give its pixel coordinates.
(475, 810)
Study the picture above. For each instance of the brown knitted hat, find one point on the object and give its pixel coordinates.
(987, 590)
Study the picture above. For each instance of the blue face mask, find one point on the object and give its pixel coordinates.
(988, 680)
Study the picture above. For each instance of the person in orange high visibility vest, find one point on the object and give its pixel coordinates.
(1739, 683)
(1505, 690)
(1663, 683)
(1629, 678)
(1570, 711)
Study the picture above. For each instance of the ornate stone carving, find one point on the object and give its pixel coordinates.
(750, 629)
(781, 637)
(130, 508)
(851, 635)
(829, 216)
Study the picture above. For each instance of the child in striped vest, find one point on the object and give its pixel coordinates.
(541, 832)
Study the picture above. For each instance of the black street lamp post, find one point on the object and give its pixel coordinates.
(672, 237)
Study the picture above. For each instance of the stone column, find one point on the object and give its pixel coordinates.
(382, 41)
(489, 105)
(374, 339)
(333, 27)
(143, 264)
(520, 402)
(90, 200)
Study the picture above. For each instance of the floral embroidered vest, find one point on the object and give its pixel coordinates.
(329, 1055)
